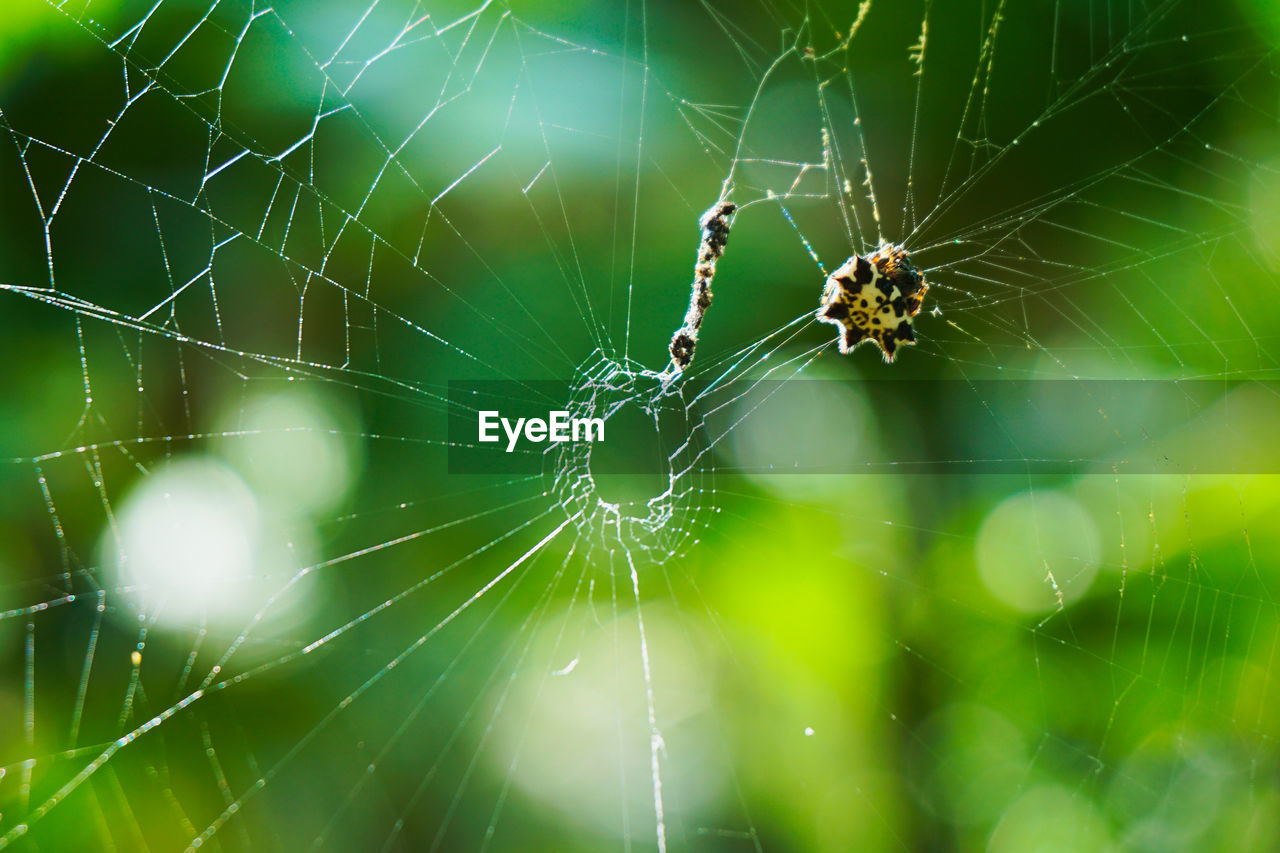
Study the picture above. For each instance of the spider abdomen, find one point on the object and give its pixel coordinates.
(874, 298)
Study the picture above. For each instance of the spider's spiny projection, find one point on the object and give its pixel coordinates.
(874, 298)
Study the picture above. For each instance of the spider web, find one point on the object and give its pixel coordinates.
(246, 248)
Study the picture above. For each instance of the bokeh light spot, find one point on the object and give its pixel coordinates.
(1038, 550)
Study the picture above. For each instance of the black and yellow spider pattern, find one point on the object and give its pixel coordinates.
(874, 298)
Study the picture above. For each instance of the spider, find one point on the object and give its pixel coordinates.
(874, 298)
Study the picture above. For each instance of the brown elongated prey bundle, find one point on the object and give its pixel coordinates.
(715, 234)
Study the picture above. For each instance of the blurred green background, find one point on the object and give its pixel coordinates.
(244, 605)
